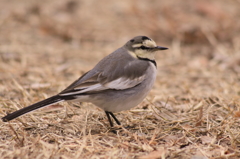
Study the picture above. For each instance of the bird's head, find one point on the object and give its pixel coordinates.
(143, 47)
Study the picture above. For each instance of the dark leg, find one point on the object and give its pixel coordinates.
(109, 118)
(114, 118)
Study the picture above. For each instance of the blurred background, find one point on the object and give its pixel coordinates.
(46, 45)
(42, 39)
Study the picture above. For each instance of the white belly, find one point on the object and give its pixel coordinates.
(118, 100)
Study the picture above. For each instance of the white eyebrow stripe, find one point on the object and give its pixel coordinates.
(136, 45)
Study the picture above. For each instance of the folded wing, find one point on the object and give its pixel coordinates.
(117, 77)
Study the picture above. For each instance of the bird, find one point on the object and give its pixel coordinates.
(120, 81)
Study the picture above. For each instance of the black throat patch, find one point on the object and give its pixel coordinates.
(146, 59)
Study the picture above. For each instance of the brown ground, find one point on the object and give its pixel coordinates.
(192, 112)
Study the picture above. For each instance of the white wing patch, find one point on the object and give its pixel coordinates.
(95, 87)
(119, 84)
(124, 83)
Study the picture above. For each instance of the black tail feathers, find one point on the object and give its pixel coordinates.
(43, 103)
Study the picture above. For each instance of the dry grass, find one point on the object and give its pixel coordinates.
(192, 112)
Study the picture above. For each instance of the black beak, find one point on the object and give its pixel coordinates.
(160, 48)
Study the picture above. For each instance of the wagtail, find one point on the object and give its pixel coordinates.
(118, 82)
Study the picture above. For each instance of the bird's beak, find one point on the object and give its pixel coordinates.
(160, 48)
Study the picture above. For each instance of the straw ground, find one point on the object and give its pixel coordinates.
(193, 110)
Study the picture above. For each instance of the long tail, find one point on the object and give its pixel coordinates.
(43, 103)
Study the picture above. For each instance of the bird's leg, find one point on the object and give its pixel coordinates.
(109, 118)
(114, 118)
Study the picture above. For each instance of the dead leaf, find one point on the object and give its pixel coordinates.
(160, 153)
(206, 139)
(237, 114)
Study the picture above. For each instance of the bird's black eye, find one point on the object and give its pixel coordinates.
(144, 47)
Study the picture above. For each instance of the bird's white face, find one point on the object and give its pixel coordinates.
(149, 43)
(146, 43)
(144, 49)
